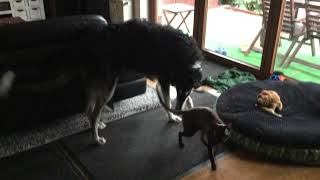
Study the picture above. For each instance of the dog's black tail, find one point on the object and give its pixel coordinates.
(160, 96)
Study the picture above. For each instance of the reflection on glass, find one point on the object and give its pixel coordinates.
(298, 55)
(177, 13)
(234, 29)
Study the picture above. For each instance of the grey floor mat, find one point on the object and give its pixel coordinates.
(49, 132)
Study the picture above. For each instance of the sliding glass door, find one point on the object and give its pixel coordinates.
(237, 33)
(235, 29)
(241, 33)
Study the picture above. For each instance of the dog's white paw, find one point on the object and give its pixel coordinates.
(102, 125)
(175, 118)
(101, 141)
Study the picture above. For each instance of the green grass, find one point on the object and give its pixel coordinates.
(295, 70)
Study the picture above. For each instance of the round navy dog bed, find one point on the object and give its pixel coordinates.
(295, 137)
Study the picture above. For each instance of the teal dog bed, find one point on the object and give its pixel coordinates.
(293, 138)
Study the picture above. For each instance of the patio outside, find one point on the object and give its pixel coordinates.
(230, 30)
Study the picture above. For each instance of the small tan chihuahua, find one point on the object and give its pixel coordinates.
(269, 101)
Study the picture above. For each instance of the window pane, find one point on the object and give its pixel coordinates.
(305, 64)
(232, 26)
(177, 13)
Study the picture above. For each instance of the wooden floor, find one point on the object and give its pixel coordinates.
(243, 166)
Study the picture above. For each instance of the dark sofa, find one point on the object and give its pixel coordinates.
(31, 49)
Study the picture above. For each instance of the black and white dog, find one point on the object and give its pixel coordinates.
(158, 52)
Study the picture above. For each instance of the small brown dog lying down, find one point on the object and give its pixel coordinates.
(269, 101)
(212, 128)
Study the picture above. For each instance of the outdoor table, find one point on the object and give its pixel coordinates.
(175, 9)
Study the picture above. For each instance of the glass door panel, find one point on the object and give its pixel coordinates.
(177, 13)
(236, 29)
(298, 54)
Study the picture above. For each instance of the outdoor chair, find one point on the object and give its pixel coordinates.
(312, 8)
(291, 25)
